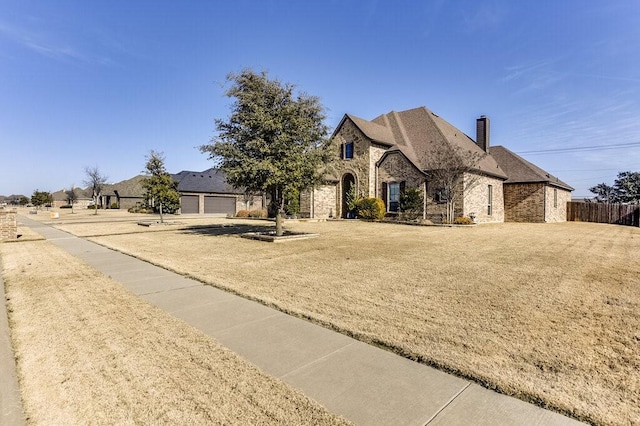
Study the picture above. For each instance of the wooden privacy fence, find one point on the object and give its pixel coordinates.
(620, 214)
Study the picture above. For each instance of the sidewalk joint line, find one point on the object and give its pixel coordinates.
(315, 361)
(277, 313)
(453, 398)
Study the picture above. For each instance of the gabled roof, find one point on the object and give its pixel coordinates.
(520, 170)
(419, 134)
(373, 131)
(210, 181)
(129, 188)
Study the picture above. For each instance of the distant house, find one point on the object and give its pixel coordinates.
(530, 193)
(123, 195)
(83, 198)
(208, 192)
(396, 151)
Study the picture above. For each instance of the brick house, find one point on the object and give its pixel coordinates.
(392, 152)
(530, 193)
(396, 151)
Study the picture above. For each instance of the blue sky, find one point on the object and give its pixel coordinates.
(100, 83)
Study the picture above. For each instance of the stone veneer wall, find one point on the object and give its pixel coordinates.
(524, 202)
(396, 168)
(358, 166)
(477, 199)
(556, 211)
(8, 224)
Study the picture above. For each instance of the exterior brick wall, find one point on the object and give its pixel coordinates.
(556, 204)
(476, 200)
(324, 201)
(396, 168)
(524, 202)
(436, 210)
(8, 224)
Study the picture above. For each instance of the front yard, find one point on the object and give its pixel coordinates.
(549, 313)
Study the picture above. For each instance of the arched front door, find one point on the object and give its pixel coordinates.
(348, 181)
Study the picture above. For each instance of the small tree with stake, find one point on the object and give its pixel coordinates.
(160, 188)
(273, 141)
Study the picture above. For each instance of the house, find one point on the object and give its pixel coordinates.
(123, 195)
(83, 198)
(530, 193)
(395, 151)
(406, 149)
(208, 192)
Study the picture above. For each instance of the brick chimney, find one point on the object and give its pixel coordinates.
(482, 132)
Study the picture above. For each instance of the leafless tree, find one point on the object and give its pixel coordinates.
(451, 171)
(96, 181)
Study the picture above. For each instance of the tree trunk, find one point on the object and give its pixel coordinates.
(161, 218)
(95, 205)
(279, 223)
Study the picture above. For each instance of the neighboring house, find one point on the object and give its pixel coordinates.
(208, 192)
(530, 193)
(393, 152)
(397, 150)
(83, 198)
(123, 195)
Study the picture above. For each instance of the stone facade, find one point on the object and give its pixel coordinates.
(395, 168)
(359, 166)
(8, 224)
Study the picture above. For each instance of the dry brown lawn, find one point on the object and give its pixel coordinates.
(90, 352)
(549, 313)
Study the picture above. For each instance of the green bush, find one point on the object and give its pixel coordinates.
(66, 206)
(462, 220)
(93, 207)
(114, 206)
(411, 203)
(371, 209)
(292, 202)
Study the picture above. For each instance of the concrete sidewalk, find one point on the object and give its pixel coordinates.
(365, 384)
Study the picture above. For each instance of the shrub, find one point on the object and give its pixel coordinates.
(371, 209)
(262, 213)
(411, 203)
(292, 202)
(462, 220)
(139, 208)
(93, 207)
(242, 213)
(114, 206)
(66, 206)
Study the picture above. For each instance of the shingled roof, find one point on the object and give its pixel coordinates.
(419, 134)
(520, 170)
(209, 181)
(130, 188)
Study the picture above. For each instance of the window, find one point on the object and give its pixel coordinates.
(490, 200)
(394, 197)
(441, 196)
(555, 198)
(346, 153)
